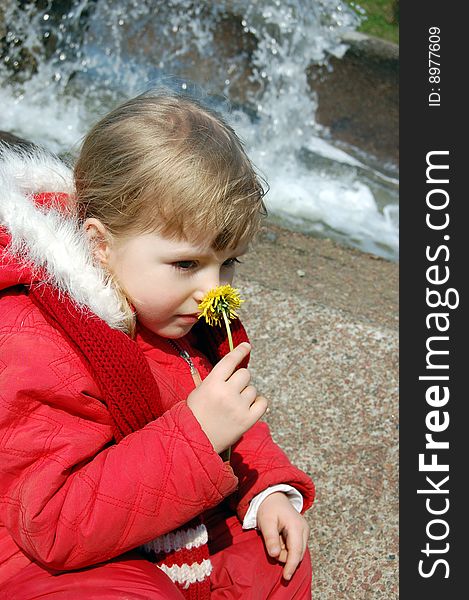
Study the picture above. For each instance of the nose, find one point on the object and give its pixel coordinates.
(206, 282)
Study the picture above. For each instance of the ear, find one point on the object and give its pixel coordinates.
(99, 239)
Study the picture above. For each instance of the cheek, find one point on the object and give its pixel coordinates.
(156, 299)
(159, 298)
(129, 277)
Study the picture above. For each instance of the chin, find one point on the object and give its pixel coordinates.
(174, 333)
(167, 329)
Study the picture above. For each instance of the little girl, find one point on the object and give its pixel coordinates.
(116, 402)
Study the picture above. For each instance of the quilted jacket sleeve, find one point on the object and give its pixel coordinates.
(259, 463)
(70, 497)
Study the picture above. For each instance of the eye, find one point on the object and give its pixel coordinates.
(231, 262)
(185, 265)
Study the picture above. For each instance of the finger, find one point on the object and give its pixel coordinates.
(227, 365)
(249, 395)
(305, 541)
(272, 539)
(240, 379)
(258, 407)
(294, 543)
(282, 557)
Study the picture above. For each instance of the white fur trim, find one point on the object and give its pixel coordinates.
(34, 171)
(186, 574)
(187, 538)
(49, 239)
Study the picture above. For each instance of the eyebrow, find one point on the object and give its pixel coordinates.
(191, 253)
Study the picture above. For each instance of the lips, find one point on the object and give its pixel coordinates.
(193, 318)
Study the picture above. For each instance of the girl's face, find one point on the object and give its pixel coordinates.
(167, 279)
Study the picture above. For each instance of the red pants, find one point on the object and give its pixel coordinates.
(241, 569)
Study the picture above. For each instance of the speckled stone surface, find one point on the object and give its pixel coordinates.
(323, 320)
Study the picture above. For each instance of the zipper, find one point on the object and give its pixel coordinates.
(225, 455)
(186, 357)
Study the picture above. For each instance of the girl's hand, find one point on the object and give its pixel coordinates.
(225, 404)
(284, 530)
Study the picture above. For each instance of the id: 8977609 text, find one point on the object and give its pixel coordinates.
(434, 75)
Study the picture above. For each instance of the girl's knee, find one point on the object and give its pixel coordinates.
(246, 566)
(128, 577)
(137, 579)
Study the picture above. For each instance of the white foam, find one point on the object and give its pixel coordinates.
(344, 206)
(109, 65)
(42, 117)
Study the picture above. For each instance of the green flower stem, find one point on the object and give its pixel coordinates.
(227, 453)
(228, 330)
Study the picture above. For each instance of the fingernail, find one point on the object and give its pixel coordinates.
(274, 550)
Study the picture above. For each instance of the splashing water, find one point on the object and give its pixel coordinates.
(64, 68)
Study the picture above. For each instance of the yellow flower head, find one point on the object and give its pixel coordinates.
(220, 303)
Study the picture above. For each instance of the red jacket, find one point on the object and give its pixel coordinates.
(69, 496)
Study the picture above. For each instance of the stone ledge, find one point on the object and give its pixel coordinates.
(358, 101)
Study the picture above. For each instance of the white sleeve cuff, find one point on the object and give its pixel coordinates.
(250, 519)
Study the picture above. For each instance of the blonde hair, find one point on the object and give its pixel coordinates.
(165, 163)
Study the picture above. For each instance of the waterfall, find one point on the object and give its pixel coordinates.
(66, 64)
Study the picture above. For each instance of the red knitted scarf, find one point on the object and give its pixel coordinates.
(129, 389)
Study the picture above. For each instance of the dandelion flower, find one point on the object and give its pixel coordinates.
(220, 303)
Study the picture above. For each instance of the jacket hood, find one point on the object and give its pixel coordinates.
(45, 243)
